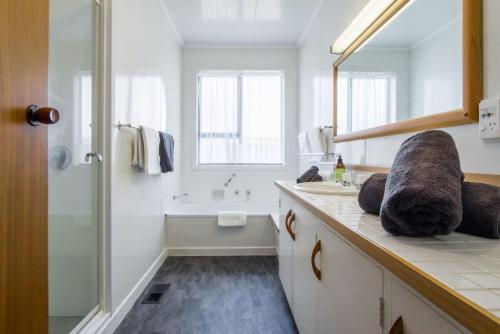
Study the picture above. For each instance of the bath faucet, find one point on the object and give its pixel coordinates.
(229, 180)
(175, 197)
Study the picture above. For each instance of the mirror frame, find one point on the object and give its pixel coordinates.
(472, 77)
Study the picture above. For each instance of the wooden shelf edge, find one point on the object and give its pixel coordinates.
(469, 314)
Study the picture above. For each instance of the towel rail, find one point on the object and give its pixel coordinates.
(128, 125)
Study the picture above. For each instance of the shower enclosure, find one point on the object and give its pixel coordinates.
(74, 164)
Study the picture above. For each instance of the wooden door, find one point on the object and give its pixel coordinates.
(23, 167)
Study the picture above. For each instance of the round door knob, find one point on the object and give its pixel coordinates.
(36, 116)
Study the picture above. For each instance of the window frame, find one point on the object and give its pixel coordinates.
(391, 78)
(232, 166)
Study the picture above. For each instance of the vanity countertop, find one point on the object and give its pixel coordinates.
(459, 273)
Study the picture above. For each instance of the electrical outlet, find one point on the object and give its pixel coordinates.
(489, 119)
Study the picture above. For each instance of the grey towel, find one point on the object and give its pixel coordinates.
(423, 194)
(166, 152)
(480, 202)
(371, 193)
(481, 216)
(309, 175)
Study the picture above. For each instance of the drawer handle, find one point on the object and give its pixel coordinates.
(316, 250)
(288, 217)
(397, 327)
(289, 226)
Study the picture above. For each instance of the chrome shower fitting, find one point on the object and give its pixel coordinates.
(175, 197)
(226, 184)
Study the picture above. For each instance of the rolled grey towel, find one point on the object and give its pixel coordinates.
(308, 175)
(371, 193)
(423, 193)
(480, 204)
(481, 215)
(317, 178)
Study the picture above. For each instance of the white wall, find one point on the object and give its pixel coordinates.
(436, 72)
(199, 183)
(476, 155)
(146, 52)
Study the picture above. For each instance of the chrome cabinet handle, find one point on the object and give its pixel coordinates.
(91, 155)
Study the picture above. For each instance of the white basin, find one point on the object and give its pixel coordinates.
(327, 188)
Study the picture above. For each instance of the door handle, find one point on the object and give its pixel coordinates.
(92, 155)
(289, 226)
(397, 327)
(36, 116)
(316, 250)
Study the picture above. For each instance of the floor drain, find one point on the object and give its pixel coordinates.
(155, 293)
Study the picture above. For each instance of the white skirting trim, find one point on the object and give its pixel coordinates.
(222, 251)
(114, 321)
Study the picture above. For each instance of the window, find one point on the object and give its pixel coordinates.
(369, 99)
(240, 118)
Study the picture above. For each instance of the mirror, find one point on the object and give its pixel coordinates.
(410, 74)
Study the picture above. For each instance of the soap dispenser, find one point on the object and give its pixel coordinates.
(339, 169)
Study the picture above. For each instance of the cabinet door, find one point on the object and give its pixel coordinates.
(350, 288)
(304, 280)
(418, 317)
(285, 248)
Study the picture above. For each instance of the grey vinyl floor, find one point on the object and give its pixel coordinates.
(214, 295)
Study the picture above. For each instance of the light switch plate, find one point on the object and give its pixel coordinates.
(489, 119)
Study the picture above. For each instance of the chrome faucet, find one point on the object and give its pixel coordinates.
(229, 180)
(176, 197)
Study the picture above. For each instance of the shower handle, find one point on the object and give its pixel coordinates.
(92, 155)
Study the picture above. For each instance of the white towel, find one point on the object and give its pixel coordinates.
(138, 150)
(317, 140)
(303, 143)
(151, 141)
(231, 218)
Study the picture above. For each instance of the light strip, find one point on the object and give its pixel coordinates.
(369, 14)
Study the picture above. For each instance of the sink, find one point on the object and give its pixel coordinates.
(327, 188)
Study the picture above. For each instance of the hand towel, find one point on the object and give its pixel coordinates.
(303, 143)
(371, 193)
(166, 152)
(317, 140)
(138, 150)
(151, 141)
(423, 194)
(308, 175)
(231, 218)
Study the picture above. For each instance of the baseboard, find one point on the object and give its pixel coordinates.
(222, 251)
(121, 311)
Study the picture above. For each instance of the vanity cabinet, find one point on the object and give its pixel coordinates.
(285, 247)
(350, 290)
(332, 287)
(416, 316)
(304, 281)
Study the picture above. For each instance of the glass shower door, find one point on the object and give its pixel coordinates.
(74, 164)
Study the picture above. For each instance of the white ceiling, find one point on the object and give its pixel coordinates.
(419, 20)
(263, 22)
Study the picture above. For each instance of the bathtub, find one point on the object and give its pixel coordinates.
(192, 230)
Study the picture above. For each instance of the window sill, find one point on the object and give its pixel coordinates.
(240, 167)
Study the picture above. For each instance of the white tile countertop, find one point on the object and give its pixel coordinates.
(468, 265)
